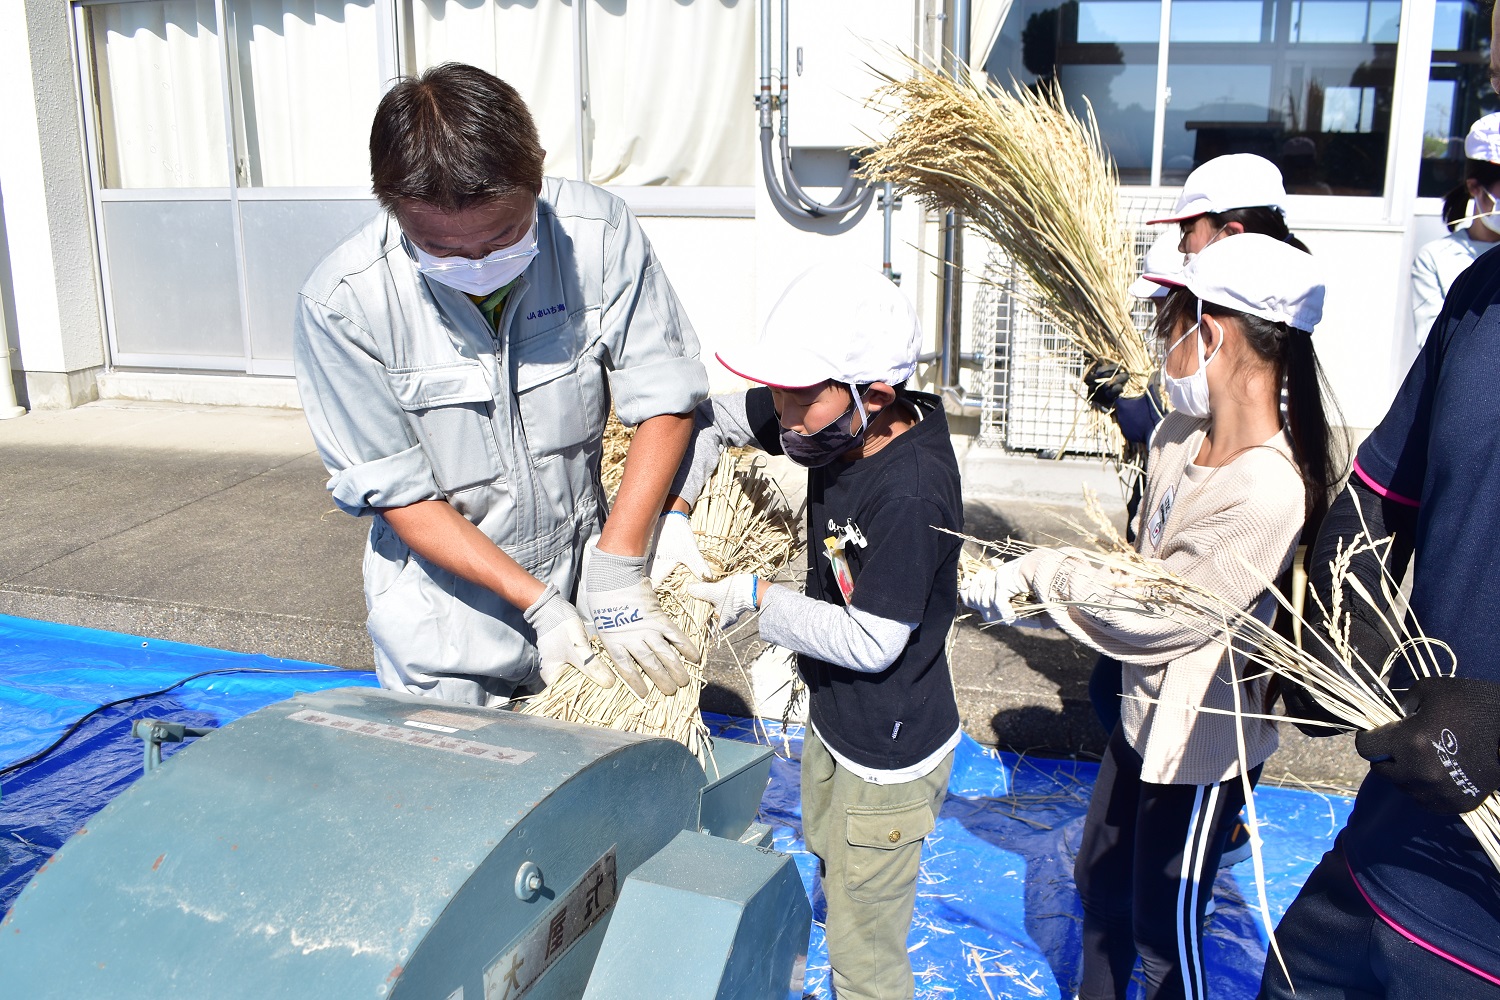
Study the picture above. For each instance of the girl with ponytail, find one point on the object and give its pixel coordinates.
(1438, 263)
(1244, 459)
(1231, 195)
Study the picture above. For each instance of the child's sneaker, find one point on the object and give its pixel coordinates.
(1236, 845)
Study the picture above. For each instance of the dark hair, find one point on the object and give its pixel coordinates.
(453, 137)
(898, 388)
(1456, 202)
(1308, 400)
(1261, 219)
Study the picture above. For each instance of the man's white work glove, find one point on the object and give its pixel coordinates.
(636, 632)
(732, 597)
(675, 544)
(562, 641)
(989, 591)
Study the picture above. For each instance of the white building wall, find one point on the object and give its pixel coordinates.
(53, 282)
(729, 273)
(712, 265)
(1361, 328)
(729, 269)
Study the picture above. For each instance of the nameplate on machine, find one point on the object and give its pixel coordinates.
(413, 737)
(517, 970)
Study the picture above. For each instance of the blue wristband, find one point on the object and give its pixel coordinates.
(755, 591)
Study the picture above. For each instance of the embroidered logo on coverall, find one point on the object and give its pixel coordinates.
(547, 311)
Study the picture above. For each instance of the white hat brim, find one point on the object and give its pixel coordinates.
(771, 368)
(1145, 288)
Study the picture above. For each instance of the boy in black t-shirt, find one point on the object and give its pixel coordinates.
(881, 592)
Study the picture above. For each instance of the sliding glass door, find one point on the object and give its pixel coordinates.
(228, 141)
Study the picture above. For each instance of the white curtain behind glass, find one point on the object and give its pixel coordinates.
(308, 82)
(161, 109)
(526, 43)
(986, 17)
(671, 85)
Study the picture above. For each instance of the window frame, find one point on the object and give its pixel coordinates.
(1403, 149)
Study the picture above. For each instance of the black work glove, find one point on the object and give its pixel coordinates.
(1446, 753)
(1300, 704)
(1104, 380)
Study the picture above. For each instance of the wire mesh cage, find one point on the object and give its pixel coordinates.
(1030, 374)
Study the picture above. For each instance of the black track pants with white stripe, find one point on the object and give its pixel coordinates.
(1145, 871)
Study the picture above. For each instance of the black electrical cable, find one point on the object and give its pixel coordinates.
(42, 754)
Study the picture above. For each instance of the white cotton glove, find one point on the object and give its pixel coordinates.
(732, 597)
(562, 641)
(676, 545)
(989, 591)
(636, 632)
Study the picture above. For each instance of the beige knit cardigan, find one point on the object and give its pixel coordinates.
(1230, 532)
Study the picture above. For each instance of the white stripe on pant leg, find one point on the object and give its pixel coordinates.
(1207, 829)
(1182, 885)
(1200, 827)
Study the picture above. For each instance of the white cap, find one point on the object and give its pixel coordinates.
(1163, 268)
(1239, 180)
(1259, 275)
(834, 321)
(1483, 140)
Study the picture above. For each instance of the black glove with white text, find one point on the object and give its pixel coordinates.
(1446, 753)
(1104, 381)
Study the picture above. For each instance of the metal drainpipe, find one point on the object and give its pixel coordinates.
(785, 191)
(887, 208)
(952, 293)
(952, 230)
(763, 101)
(581, 109)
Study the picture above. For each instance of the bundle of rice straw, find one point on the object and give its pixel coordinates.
(1027, 174)
(744, 525)
(1350, 688)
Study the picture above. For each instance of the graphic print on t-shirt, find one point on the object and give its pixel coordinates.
(833, 551)
(1159, 519)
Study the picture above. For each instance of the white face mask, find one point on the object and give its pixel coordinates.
(1491, 221)
(482, 276)
(1190, 394)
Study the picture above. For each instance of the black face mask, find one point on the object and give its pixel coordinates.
(821, 447)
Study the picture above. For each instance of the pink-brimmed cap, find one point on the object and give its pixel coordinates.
(1260, 275)
(1239, 180)
(1163, 269)
(842, 322)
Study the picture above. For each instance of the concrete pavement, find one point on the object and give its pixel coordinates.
(211, 525)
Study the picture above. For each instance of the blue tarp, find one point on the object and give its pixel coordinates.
(52, 675)
(996, 912)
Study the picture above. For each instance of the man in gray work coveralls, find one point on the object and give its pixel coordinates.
(456, 358)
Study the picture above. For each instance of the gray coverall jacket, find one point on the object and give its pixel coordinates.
(412, 396)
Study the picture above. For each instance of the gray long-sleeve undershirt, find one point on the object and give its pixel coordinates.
(844, 636)
(719, 422)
